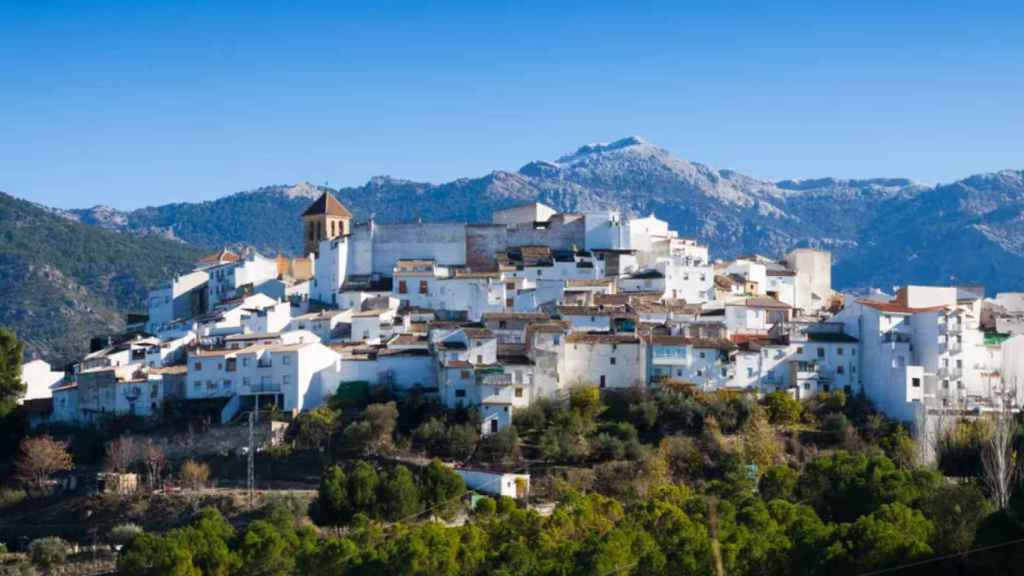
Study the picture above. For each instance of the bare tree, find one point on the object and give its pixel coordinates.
(39, 458)
(194, 474)
(997, 456)
(122, 454)
(155, 460)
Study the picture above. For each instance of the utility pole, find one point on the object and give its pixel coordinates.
(251, 483)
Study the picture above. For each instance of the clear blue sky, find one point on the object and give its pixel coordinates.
(131, 105)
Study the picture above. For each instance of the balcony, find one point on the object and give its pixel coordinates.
(949, 373)
(895, 338)
(265, 388)
(496, 379)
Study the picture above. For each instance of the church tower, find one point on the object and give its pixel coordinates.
(325, 219)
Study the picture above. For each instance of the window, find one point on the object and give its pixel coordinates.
(286, 380)
(226, 384)
(245, 361)
(799, 349)
(265, 380)
(853, 351)
(464, 374)
(821, 352)
(198, 365)
(402, 288)
(540, 272)
(839, 351)
(519, 392)
(246, 381)
(197, 384)
(915, 382)
(612, 359)
(702, 354)
(479, 359)
(840, 370)
(700, 372)
(557, 339)
(502, 324)
(286, 360)
(232, 364)
(602, 381)
(460, 393)
(750, 372)
(423, 287)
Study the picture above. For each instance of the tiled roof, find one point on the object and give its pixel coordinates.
(329, 205)
(478, 333)
(527, 316)
(224, 255)
(716, 343)
(765, 302)
(896, 308)
(601, 338)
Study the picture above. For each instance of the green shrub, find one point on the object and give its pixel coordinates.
(123, 534)
(48, 552)
(11, 497)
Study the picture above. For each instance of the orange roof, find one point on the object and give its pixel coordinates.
(329, 205)
(224, 255)
(895, 308)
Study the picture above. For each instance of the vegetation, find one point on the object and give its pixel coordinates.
(48, 553)
(64, 282)
(39, 458)
(11, 386)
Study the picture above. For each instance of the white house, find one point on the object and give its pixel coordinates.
(605, 360)
(294, 377)
(39, 380)
(698, 361)
(181, 298)
(496, 483)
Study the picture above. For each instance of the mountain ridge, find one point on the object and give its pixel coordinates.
(732, 212)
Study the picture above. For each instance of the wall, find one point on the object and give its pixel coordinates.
(483, 242)
(445, 243)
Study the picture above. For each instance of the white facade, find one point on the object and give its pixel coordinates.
(179, 299)
(496, 483)
(39, 380)
(330, 269)
(604, 360)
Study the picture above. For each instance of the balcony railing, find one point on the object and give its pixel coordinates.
(496, 379)
(949, 373)
(265, 387)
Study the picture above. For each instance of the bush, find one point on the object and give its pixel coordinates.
(123, 534)
(17, 569)
(194, 474)
(48, 552)
(778, 482)
(11, 497)
(782, 408)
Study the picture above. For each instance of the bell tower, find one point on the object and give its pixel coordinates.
(325, 219)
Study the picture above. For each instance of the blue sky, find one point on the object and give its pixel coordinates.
(131, 105)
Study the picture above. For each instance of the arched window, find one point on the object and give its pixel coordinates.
(309, 226)
(334, 228)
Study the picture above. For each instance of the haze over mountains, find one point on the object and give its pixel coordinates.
(882, 231)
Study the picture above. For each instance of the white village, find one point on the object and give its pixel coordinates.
(492, 317)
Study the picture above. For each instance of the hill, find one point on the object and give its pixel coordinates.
(967, 231)
(63, 281)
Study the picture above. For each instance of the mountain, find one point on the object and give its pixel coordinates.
(64, 281)
(966, 232)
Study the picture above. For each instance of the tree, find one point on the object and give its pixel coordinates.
(782, 408)
(39, 458)
(441, 488)
(155, 460)
(316, 427)
(760, 445)
(956, 510)
(362, 489)
(194, 474)
(49, 552)
(11, 386)
(150, 555)
(331, 507)
(264, 551)
(206, 539)
(123, 534)
(122, 454)
(502, 446)
(778, 482)
(399, 497)
(998, 458)
(382, 418)
(586, 400)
